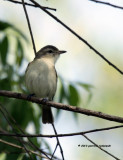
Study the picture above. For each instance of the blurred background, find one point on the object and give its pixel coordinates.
(85, 80)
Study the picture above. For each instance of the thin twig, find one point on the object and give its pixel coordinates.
(81, 133)
(30, 143)
(58, 142)
(29, 26)
(35, 54)
(101, 148)
(78, 36)
(106, 3)
(62, 106)
(3, 133)
(28, 4)
(54, 151)
(11, 125)
(25, 142)
(20, 147)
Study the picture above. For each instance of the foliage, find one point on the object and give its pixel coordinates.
(10, 79)
(71, 94)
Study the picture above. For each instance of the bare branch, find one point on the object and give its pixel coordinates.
(17, 146)
(58, 143)
(58, 105)
(29, 26)
(18, 138)
(4, 133)
(25, 142)
(54, 151)
(30, 143)
(106, 3)
(62, 106)
(78, 36)
(28, 4)
(101, 148)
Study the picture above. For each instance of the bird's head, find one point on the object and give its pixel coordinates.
(49, 51)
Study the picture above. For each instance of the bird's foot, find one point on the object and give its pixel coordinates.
(30, 95)
(44, 100)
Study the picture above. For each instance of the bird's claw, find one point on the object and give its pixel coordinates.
(30, 95)
(44, 100)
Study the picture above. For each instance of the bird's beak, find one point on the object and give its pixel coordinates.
(61, 52)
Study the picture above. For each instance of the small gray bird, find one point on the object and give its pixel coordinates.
(41, 77)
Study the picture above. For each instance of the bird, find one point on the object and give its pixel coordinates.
(41, 77)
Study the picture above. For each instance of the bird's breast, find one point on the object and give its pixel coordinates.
(41, 78)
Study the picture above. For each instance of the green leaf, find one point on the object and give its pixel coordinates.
(36, 121)
(35, 141)
(33, 157)
(4, 49)
(22, 112)
(73, 97)
(21, 34)
(19, 52)
(62, 93)
(10, 71)
(12, 151)
(62, 96)
(86, 86)
(26, 158)
(11, 156)
(5, 25)
(5, 84)
(89, 98)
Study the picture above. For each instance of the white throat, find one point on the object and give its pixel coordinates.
(51, 59)
(56, 57)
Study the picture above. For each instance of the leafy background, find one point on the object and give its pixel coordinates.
(84, 79)
(12, 80)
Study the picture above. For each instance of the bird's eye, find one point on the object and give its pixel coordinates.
(50, 51)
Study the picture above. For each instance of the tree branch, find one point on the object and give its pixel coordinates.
(28, 4)
(17, 146)
(18, 138)
(58, 143)
(79, 37)
(29, 26)
(4, 133)
(30, 143)
(106, 3)
(101, 148)
(26, 142)
(61, 106)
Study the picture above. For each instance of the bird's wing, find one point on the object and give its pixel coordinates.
(56, 84)
(28, 66)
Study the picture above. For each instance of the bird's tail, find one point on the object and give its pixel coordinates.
(47, 116)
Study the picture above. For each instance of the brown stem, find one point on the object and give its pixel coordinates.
(62, 106)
